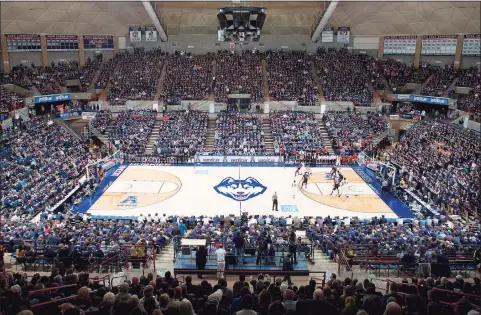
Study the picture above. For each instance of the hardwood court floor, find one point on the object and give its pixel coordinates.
(149, 189)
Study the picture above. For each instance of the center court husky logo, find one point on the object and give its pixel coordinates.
(240, 189)
(129, 202)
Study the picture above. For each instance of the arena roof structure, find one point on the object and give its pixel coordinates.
(283, 18)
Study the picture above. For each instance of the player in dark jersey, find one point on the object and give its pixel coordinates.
(305, 178)
(337, 184)
(298, 170)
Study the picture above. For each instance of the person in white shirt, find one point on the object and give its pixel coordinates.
(140, 218)
(156, 218)
(220, 252)
(252, 221)
(206, 220)
(294, 188)
(289, 221)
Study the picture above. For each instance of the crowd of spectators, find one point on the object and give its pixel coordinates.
(87, 73)
(295, 131)
(238, 73)
(9, 101)
(18, 75)
(239, 134)
(426, 240)
(398, 73)
(351, 132)
(440, 163)
(343, 76)
(188, 77)
(471, 103)
(39, 162)
(43, 79)
(137, 75)
(290, 78)
(102, 120)
(181, 135)
(131, 130)
(440, 81)
(106, 71)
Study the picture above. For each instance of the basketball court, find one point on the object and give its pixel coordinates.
(132, 190)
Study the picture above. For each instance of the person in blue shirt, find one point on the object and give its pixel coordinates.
(182, 228)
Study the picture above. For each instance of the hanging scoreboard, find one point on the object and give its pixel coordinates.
(439, 45)
(150, 34)
(98, 42)
(400, 45)
(23, 42)
(62, 42)
(343, 34)
(471, 45)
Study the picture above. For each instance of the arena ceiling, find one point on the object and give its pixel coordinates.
(283, 18)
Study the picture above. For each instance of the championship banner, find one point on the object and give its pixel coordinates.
(150, 34)
(135, 33)
(472, 45)
(439, 45)
(343, 34)
(327, 36)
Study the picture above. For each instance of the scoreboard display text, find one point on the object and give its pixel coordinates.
(472, 45)
(62, 42)
(400, 45)
(439, 45)
(23, 42)
(98, 42)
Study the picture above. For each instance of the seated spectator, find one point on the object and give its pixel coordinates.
(239, 134)
(131, 130)
(136, 76)
(289, 76)
(181, 135)
(188, 77)
(238, 73)
(37, 174)
(343, 76)
(351, 132)
(398, 73)
(440, 81)
(295, 131)
(442, 162)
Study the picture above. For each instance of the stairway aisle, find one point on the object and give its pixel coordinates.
(210, 135)
(317, 82)
(211, 96)
(326, 139)
(265, 81)
(160, 84)
(154, 135)
(268, 137)
(420, 88)
(95, 78)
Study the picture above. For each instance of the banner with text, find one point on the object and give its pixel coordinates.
(238, 159)
(52, 98)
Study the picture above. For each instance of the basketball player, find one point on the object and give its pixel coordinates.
(305, 178)
(333, 172)
(336, 186)
(294, 188)
(298, 170)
